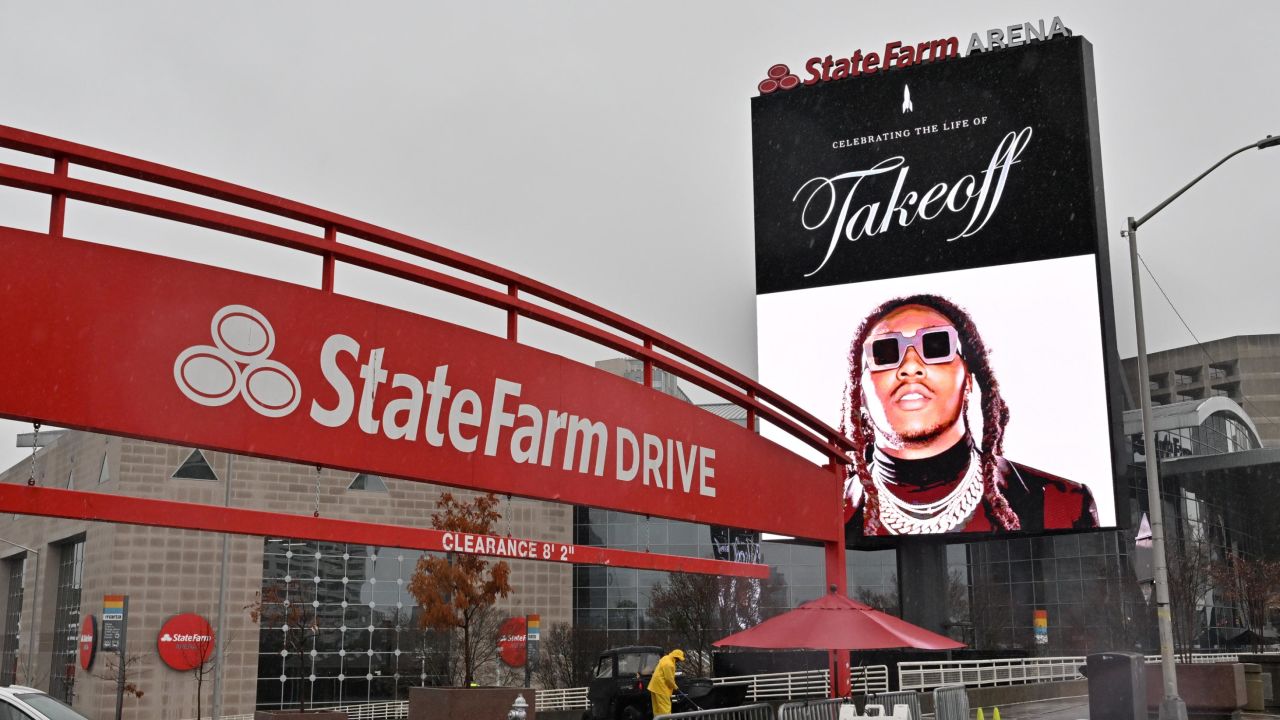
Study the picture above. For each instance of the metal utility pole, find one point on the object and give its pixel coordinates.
(219, 642)
(1171, 707)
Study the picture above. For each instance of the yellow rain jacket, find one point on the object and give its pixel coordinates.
(663, 682)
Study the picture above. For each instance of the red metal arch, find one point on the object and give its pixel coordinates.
(559, 311)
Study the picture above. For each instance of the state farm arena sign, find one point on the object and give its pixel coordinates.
(185, 641)
(206, 357)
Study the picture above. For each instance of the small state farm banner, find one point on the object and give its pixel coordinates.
(513, 642)
(167, 350)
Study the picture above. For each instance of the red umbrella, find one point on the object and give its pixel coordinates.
(834, 622)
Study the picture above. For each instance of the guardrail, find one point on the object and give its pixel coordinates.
(1011, 671)
(561, 699)
(784, 685)
(984, 673)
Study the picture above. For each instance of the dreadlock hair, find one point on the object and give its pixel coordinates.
(856, 425)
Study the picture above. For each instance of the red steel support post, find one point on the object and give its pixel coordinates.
(648, 366)
(751, 412)
(513, 319)
(58, 201)
(326, 279)
(834, 554)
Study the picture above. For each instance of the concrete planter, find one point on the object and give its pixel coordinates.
(1270, 665)
(298, 715)
(1209, 691)
(481, 703)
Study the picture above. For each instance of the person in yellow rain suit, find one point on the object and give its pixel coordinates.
(663, 682)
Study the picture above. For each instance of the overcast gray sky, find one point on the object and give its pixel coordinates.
(604, 148)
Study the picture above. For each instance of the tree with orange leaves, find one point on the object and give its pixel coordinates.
(455, 591)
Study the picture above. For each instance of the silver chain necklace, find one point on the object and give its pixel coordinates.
(952, 512)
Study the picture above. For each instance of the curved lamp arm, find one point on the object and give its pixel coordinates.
(1266, 142)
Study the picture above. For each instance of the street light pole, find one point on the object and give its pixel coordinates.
(1171, 707)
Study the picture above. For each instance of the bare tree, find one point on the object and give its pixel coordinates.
(1254, 585)
(567, 657)
(1191, 570)
(885, 602)
(109, 671)
(692, 606)
(281, 605)
(199, 654)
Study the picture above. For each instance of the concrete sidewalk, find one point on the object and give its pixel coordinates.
(1074, 708)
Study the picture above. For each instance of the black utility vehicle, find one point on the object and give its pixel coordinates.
(619, 690)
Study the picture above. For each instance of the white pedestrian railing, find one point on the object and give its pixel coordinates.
(982, 673)
(1012, 671)
(1199, 658)
(563, 699)
(784, 685)
(363, 711)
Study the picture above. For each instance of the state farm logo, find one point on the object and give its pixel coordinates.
(185, 638)
(238, 364)
(779, 77)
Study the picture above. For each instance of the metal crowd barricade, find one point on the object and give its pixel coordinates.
(867, 679)
(889, 700)
(951, 703)
(828, 709)
(762, 711)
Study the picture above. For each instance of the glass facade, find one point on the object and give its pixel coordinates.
(66, 620)
(1220, 433)
(1083, 582)
(616, 602)
(339, 627)
(10, 646)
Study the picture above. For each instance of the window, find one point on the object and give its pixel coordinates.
(66, 624)
(367, 482)
(368, 644)
(9, 645)
(605, 668)
(1221, 370)
(1187, 376)
(195, 467)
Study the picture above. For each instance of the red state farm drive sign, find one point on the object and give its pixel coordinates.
(167, 350)
(88, 641)
(185, 641)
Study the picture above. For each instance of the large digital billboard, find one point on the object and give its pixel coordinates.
(931, 275)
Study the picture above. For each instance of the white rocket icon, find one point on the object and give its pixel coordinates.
(906, 100)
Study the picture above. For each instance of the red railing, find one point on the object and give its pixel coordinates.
(626, 337)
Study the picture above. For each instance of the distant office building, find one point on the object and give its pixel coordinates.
(1245, 368)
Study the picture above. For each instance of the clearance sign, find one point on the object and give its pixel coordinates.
(201, 356)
